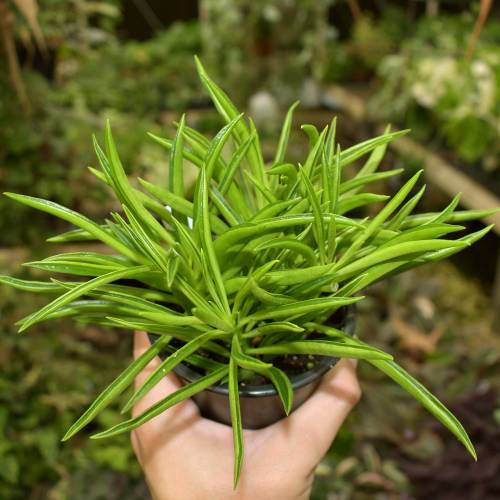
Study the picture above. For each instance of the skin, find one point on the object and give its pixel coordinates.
(186, 456)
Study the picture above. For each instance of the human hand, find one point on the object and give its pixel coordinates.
(185, 456)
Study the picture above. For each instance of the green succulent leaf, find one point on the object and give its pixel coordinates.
(202, 222)
(302, 307)
(248, 230)
(380, 218)
(323, 348)
(234, 409)
(31, 286)
(277, 377)
(289, 244)
(168, 364)
(217, 144)
(176, 169)
(74, 218)
(273, 327)
(181, 394)
(285, 135)
(428, 400)
(181, 205)
(362, 180)
(414, 388)
(318, 226)
(395, 251)
(375, 158)
(82, 289)
(169, 144)
(115, 173)
(355, 152)
(117, 386)
(455, 217)
(346, 204)
(401, 215)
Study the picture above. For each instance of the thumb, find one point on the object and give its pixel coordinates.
(325, 411)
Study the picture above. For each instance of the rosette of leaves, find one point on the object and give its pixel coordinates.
(248, 269)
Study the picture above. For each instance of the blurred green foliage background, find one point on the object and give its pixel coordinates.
(93, 61)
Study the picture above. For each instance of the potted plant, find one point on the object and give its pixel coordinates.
(260, 267)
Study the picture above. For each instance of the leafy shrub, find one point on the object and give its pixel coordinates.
(46, 151)
(430, 87)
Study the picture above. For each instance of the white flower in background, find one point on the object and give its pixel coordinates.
(433, 77)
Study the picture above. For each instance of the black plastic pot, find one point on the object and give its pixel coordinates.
(260, 404)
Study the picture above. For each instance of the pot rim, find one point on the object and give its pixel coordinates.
(254, 391)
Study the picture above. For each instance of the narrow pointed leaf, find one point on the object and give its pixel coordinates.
(360, 181)
(428, 400)
(216, 146)
(235, 162)
(285, 135)
(117, 386)
(167, 365)
(359, 200)
(447, 211)
(323, 348)
(406, 210)
(31, 286)
(275, 327)
(248, 230)
(303, 307)
(357, 151)
(234, 409)
(74, 218)
(202, 221)
(289, 244)
(181, 394)
(81, 290)
(319, 230)
(181, 205)
(395, 251)
(277, 377)
(380, 218)
(176, 170)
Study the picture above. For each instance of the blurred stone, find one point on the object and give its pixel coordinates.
(425, 306)
(264, 109)
(310, 94)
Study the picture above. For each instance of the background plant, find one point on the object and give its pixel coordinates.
(271, 45)
(190, 278)
(431, 87)
(370, 39)
(68, 91)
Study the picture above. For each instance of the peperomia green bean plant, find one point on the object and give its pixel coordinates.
(248, 269)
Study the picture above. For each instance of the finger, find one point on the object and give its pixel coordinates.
(141, 345)
(320, 417)
(136, 446)
(167, 384)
